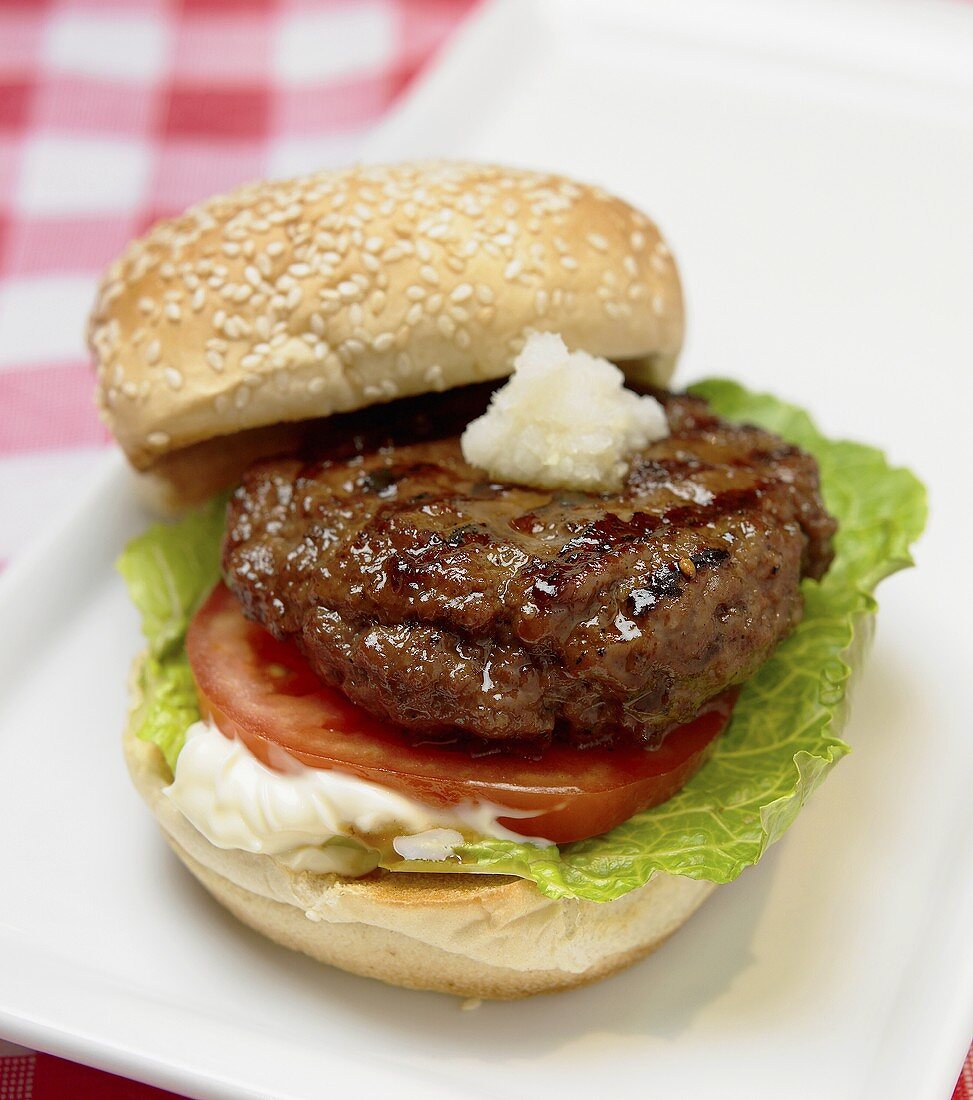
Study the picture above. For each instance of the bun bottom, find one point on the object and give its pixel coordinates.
(483, 936)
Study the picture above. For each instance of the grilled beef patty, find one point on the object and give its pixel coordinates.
(453, 606)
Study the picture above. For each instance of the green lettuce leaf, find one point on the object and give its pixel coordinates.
(783, 738)
(169, 570)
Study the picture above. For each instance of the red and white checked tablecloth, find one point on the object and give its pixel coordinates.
(112, 114)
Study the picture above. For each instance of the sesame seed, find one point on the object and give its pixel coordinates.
(569, 262)
(383, 342)
(241, 397)
(198, 299)
(513, 269)
(631, 266)
(658, 304)
(461, 293)
(153, 352)
(351, 347)
(348, 289)
(146, 305)
(157, 439)
(598, 242)
(414, 314)
(173, 378)
(429, 274)
(541, 302)
(248, 362)
(484, 294)
(215, 360)
(446, 325)
(415, 293)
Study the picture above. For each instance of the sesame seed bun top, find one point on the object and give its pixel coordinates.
(281, 302)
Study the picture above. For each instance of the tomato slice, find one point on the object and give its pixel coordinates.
(263, 692)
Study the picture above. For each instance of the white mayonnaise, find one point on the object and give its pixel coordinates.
(564, 421)
(315, 819)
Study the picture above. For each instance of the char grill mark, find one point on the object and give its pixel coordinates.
(456, 607)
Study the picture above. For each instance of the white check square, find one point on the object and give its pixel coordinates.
(42, 319)
(297, 156)
(72, 175)
(335, 42)
(125, 45)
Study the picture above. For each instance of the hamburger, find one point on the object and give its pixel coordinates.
(476, 657)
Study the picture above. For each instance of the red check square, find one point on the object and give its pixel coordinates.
(188, 171)
(336, 106)
(227, 7)
(15, 98)
(42, 245)
(223, 48)
(218, 114)
(21, 31)
(86, 104)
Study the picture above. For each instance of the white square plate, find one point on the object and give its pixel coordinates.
(813, 166)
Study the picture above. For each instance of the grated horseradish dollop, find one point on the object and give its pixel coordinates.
(564, 420)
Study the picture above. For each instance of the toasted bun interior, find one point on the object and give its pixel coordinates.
(285, 301)
(485, 936)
